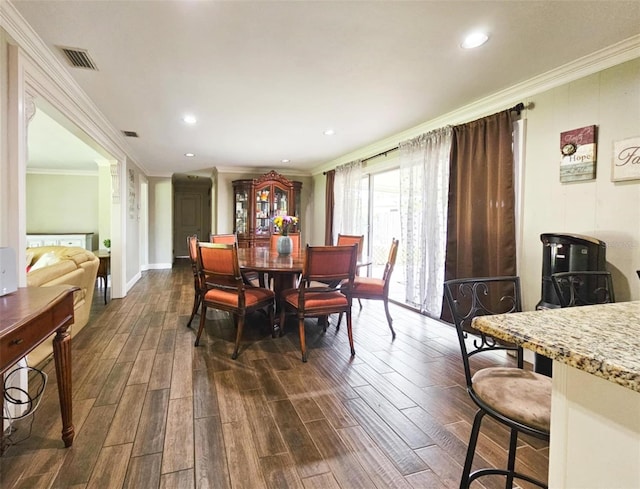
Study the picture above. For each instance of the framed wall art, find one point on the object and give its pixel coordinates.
(578, 150)
(132, 194)
(626, 160)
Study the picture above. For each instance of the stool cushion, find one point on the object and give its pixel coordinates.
(517, 394)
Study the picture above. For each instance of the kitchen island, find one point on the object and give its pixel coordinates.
(595, 404)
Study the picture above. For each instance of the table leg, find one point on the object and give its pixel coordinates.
(281, 282)
(1, 410)
(62, 357)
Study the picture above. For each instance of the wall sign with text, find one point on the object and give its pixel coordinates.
(626, 160)
(578, 154)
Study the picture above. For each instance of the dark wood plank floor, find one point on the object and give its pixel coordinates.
(153, 411)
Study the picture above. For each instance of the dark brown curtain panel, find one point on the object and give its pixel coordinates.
(328, 208)
(481, 218)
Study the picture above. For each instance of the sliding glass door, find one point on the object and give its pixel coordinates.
(384, 224)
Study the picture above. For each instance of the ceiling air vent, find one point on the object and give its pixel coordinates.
(130, 134)
(79, 58)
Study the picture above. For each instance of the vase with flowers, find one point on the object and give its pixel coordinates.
(284, 224)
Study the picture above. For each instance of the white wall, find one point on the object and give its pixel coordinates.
(131, 202)
(104, 203)
(62, 204)
(599, 208)
(160, 222)
(4, 154)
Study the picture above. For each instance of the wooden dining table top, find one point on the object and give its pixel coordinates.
(266, 260)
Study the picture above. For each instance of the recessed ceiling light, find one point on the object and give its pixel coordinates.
(189, 155)
(474, 40)
(285, 161)
(329, 132)
(189, 119)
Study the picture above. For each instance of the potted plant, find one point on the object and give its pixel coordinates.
(107, 244)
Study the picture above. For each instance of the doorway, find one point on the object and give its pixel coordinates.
(191, 211)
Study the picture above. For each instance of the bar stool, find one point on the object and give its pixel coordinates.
(517, 398)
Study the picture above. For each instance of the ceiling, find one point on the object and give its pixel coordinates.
(265, 79)
(53, 146)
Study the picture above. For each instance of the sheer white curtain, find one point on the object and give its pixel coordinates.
(348, 216)
(424, 188)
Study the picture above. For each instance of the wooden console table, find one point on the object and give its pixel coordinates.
(27, 318)
(104, 269)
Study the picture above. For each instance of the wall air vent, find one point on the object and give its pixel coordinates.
(130, 134)
(78, 58)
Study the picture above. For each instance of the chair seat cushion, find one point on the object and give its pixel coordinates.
(366, 286)
(517, 394)
(252, 296)
(315, 299)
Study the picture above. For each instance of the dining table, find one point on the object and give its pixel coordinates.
(283, 269)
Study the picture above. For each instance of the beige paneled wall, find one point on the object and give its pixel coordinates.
(606, 210)
(600, 208)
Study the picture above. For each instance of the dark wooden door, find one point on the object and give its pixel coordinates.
(187, 220)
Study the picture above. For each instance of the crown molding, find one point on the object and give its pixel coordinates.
(260, 170)
(66, 173)
(54, 83)
(613, 55)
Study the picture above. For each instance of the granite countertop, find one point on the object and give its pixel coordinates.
(603, 340)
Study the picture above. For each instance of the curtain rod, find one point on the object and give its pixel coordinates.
(382, 153)
(519, 107)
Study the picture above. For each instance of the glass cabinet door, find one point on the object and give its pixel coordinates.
(263, 210)
(242, 211)
(280, 202)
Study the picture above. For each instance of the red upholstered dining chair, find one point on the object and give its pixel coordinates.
(313, 298)
(223, 238)
(251, 277)
(377, 288)
(198, 284)
(265, 278)
(295, 241)
(349, 239)
(225, 290)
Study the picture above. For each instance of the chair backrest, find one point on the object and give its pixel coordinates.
(330, 264)
(192, 246)
(295, 241)
(349, 239)
(471, 297)
(583, 288)
(220, 266)
(198, 278)
(391, 263)
(223, 238)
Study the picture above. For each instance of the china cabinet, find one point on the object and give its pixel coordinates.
(258, 201)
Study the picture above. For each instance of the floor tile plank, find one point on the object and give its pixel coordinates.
(153, 411)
